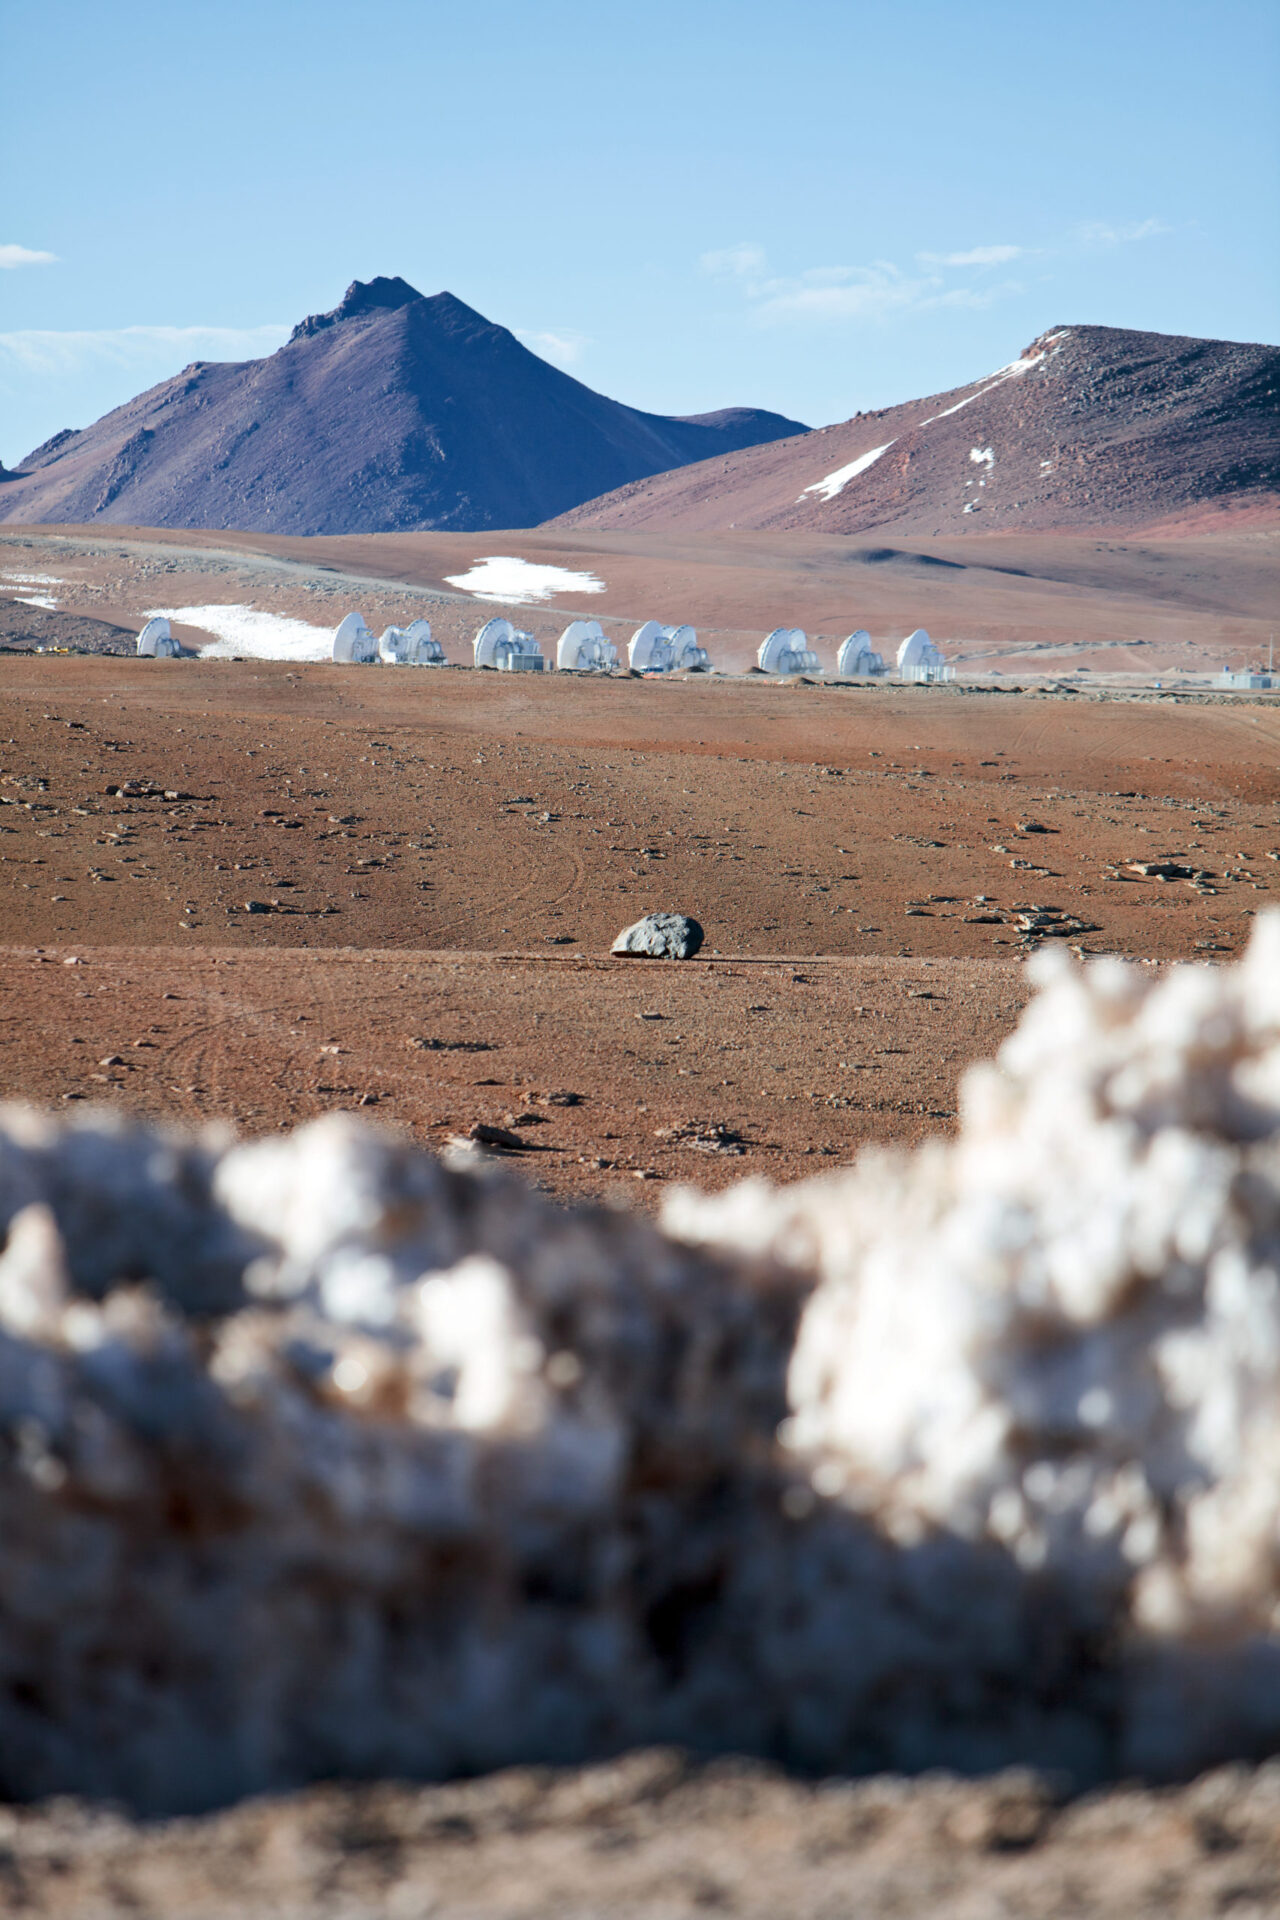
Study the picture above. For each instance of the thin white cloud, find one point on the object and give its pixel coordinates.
(14, 256)
(833, 294)
(746, 260)
(974, 257)
(54, 352)
(566, 348)
(846, 293)
(977, 298)
(1100, 233)
(875, 292)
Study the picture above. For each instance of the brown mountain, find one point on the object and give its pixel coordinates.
(1090, 427)
(393, 412)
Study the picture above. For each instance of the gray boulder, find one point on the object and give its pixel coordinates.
(661, 936)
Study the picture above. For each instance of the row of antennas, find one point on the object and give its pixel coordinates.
(787, 651)
(583, 647)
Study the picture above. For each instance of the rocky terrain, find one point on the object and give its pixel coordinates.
(390, 411)
(655, 1837)
(1091, 427)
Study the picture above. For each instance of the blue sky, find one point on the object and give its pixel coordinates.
(817, 207)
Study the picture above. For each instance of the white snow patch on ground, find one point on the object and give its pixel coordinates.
(256, 635)
(982, 457)
(35, 600)
(837, 482)
(502, 576)
(32, 579)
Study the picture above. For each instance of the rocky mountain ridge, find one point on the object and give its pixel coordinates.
(1088, 427)
(391, 412)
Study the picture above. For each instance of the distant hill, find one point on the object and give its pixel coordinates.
(393, 412)
(1090, 427)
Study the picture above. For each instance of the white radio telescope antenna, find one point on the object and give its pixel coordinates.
(921, 662)
(353, 644)
(857, 657)
(582, 648)
(499, 644)
(411, 646)
(787, 650)
(657, 649)
(156, 642)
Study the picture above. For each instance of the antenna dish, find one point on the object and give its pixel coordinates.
(582, 648)
(156, 642)
(499, 644)
(921, 662)
(787, 650)
(353, 644)
(857, 657)
(411, 646)
(658, 649)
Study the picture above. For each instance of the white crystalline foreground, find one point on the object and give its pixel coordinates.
(320, 1457)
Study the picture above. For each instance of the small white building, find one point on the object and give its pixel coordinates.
(1231, 679)
(921, 663)
(411, 646)
(156, 641)
(583, 648)
(857, 658)
(654, 648)
(353, 644)
(503, 647)
(787, 650)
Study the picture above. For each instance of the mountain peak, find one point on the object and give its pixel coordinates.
(393, 410)
(381, 294)
(364, 296)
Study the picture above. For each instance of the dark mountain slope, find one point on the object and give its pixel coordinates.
(1090, 427)
(392, 412)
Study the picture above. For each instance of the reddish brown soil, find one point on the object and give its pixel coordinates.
(617, 1076)
(649, 1838)
(433, 810)
(441, 858)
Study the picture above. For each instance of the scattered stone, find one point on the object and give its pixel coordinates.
(485, 1135)
(1161, 870)
(703, 1136)
(417, 1043)
(660, 936)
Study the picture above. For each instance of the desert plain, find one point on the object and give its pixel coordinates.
(253, 890)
